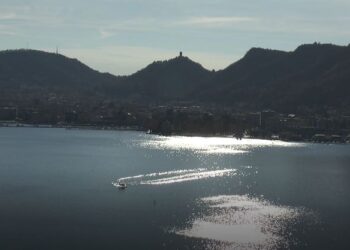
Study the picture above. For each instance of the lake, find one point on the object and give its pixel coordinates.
(58, 191)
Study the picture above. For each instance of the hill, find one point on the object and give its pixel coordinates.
(164, 81)
(312, 76)
(28, 71)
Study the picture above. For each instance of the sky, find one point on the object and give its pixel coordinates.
(123, 36)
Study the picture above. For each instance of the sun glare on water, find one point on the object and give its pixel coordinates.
(212, 145)
(227, 221)
(243, 222)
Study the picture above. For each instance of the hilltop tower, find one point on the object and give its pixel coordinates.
(180, 54)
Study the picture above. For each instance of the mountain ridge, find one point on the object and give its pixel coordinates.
(313, 75)
(298, 78)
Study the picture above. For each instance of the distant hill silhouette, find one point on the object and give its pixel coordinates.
(312, 76)
(169, 80)
(37, 69)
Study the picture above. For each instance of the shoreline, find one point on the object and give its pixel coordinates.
(136, 128)
(80, 126)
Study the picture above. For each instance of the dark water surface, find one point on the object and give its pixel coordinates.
(57, 191)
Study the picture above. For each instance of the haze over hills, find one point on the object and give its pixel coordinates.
(313, 75)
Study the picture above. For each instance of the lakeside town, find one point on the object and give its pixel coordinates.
(183, 119)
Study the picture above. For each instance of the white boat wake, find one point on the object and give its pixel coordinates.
(175, 176)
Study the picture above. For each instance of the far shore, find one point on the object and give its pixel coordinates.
(69, 126)
(136, 128)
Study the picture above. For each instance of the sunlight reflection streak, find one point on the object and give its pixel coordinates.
(244, 222)
(213, 145)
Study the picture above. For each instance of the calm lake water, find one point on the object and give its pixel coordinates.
(57, 191)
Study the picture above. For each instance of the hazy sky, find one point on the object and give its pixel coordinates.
(122, 36)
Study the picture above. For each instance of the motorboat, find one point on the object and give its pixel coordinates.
(121, 185)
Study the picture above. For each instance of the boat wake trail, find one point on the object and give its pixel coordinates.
(176, 176)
